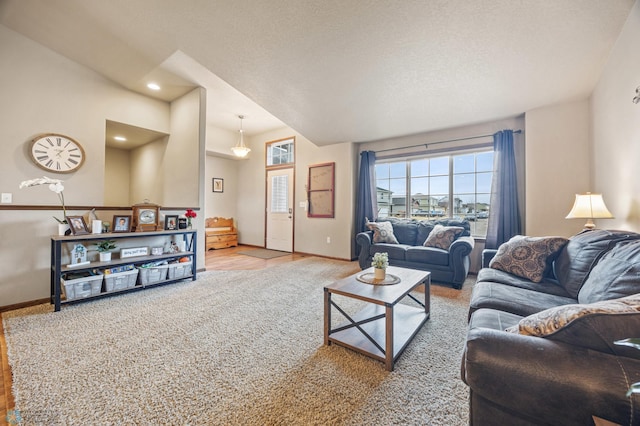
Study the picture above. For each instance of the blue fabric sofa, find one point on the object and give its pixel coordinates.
(446, 266)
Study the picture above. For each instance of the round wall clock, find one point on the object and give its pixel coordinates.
(57, 153)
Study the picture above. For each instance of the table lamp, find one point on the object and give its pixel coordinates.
(589, 206)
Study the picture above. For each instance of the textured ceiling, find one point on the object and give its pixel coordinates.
(339, 70)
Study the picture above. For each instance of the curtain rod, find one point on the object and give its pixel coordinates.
(426, 145)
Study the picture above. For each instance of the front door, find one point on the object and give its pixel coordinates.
(279, 232)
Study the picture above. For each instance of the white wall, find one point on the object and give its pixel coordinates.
(616, 129)
(117, 166)
(558, 162)
(147, 175)
(181, 165)
(221, 204)
(310, 233)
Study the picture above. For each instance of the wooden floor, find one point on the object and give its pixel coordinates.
(224, 260)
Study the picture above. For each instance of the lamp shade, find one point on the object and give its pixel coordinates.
(589, 206)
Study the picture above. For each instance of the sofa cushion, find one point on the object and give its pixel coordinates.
(527, 257)
(516, 300)
(395, 251)
(424, 228)
(617, 274)
(382, 232)
(581, 253)
(551, 320)
(455, 222)
(443, 236)
(405, 231)
(547, 285)
(429, 255)
(493, 319)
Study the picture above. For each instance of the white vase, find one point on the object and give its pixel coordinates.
(62, 228)
(105, 256)
(379, 273)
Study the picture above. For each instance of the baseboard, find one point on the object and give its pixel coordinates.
(23, 305)
(301, 253)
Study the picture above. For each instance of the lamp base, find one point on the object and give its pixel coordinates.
(589, 225)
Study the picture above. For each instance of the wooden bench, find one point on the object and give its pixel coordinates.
(220, 233)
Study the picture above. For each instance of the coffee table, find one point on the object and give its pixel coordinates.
(384, 327)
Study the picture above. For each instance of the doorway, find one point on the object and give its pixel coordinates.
(279, 212)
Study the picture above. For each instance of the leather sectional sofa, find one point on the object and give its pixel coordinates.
(543, 353)
(450, 265)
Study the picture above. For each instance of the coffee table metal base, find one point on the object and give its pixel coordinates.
(380, 331)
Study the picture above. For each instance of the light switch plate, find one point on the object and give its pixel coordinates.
(7, 198)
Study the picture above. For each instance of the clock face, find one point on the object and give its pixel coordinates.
(147, 216)
(57, 153)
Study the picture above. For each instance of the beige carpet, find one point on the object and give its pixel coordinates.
(240, 347)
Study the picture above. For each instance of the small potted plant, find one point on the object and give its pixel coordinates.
(104, 247)
(380, 262)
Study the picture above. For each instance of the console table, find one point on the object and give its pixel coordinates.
(58, 270)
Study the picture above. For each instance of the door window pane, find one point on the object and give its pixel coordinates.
(279, 192)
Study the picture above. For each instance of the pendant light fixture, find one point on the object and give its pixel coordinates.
(240, 150)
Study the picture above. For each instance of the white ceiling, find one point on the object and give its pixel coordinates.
(338, 70)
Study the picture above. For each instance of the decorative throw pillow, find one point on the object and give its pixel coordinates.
(527, 257)
(443, 236)
(382, 232)
(551, 320)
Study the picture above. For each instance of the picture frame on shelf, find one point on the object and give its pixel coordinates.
(171, 222)
(121, 223)
(218, 185)
(77, 224)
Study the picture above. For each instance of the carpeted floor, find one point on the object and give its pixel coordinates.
(235, 347)
(263, 253)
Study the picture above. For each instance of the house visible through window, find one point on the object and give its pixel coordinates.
(454, 186)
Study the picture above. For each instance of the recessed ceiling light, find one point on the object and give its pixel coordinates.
(153, 86)
(120, 138)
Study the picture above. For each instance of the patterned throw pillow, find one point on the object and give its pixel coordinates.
(382, 232)
(527, 257)
(551, 320)
(443, 236)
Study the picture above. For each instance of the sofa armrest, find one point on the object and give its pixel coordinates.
(487, 255)
(459, 252)
(364, 240)
(549, 381)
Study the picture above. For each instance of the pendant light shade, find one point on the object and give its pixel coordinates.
(240, 150)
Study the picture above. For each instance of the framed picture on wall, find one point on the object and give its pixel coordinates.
(218, 185)
(320, 190)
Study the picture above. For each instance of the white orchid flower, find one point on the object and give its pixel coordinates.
(55, 185)
(40, 181)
